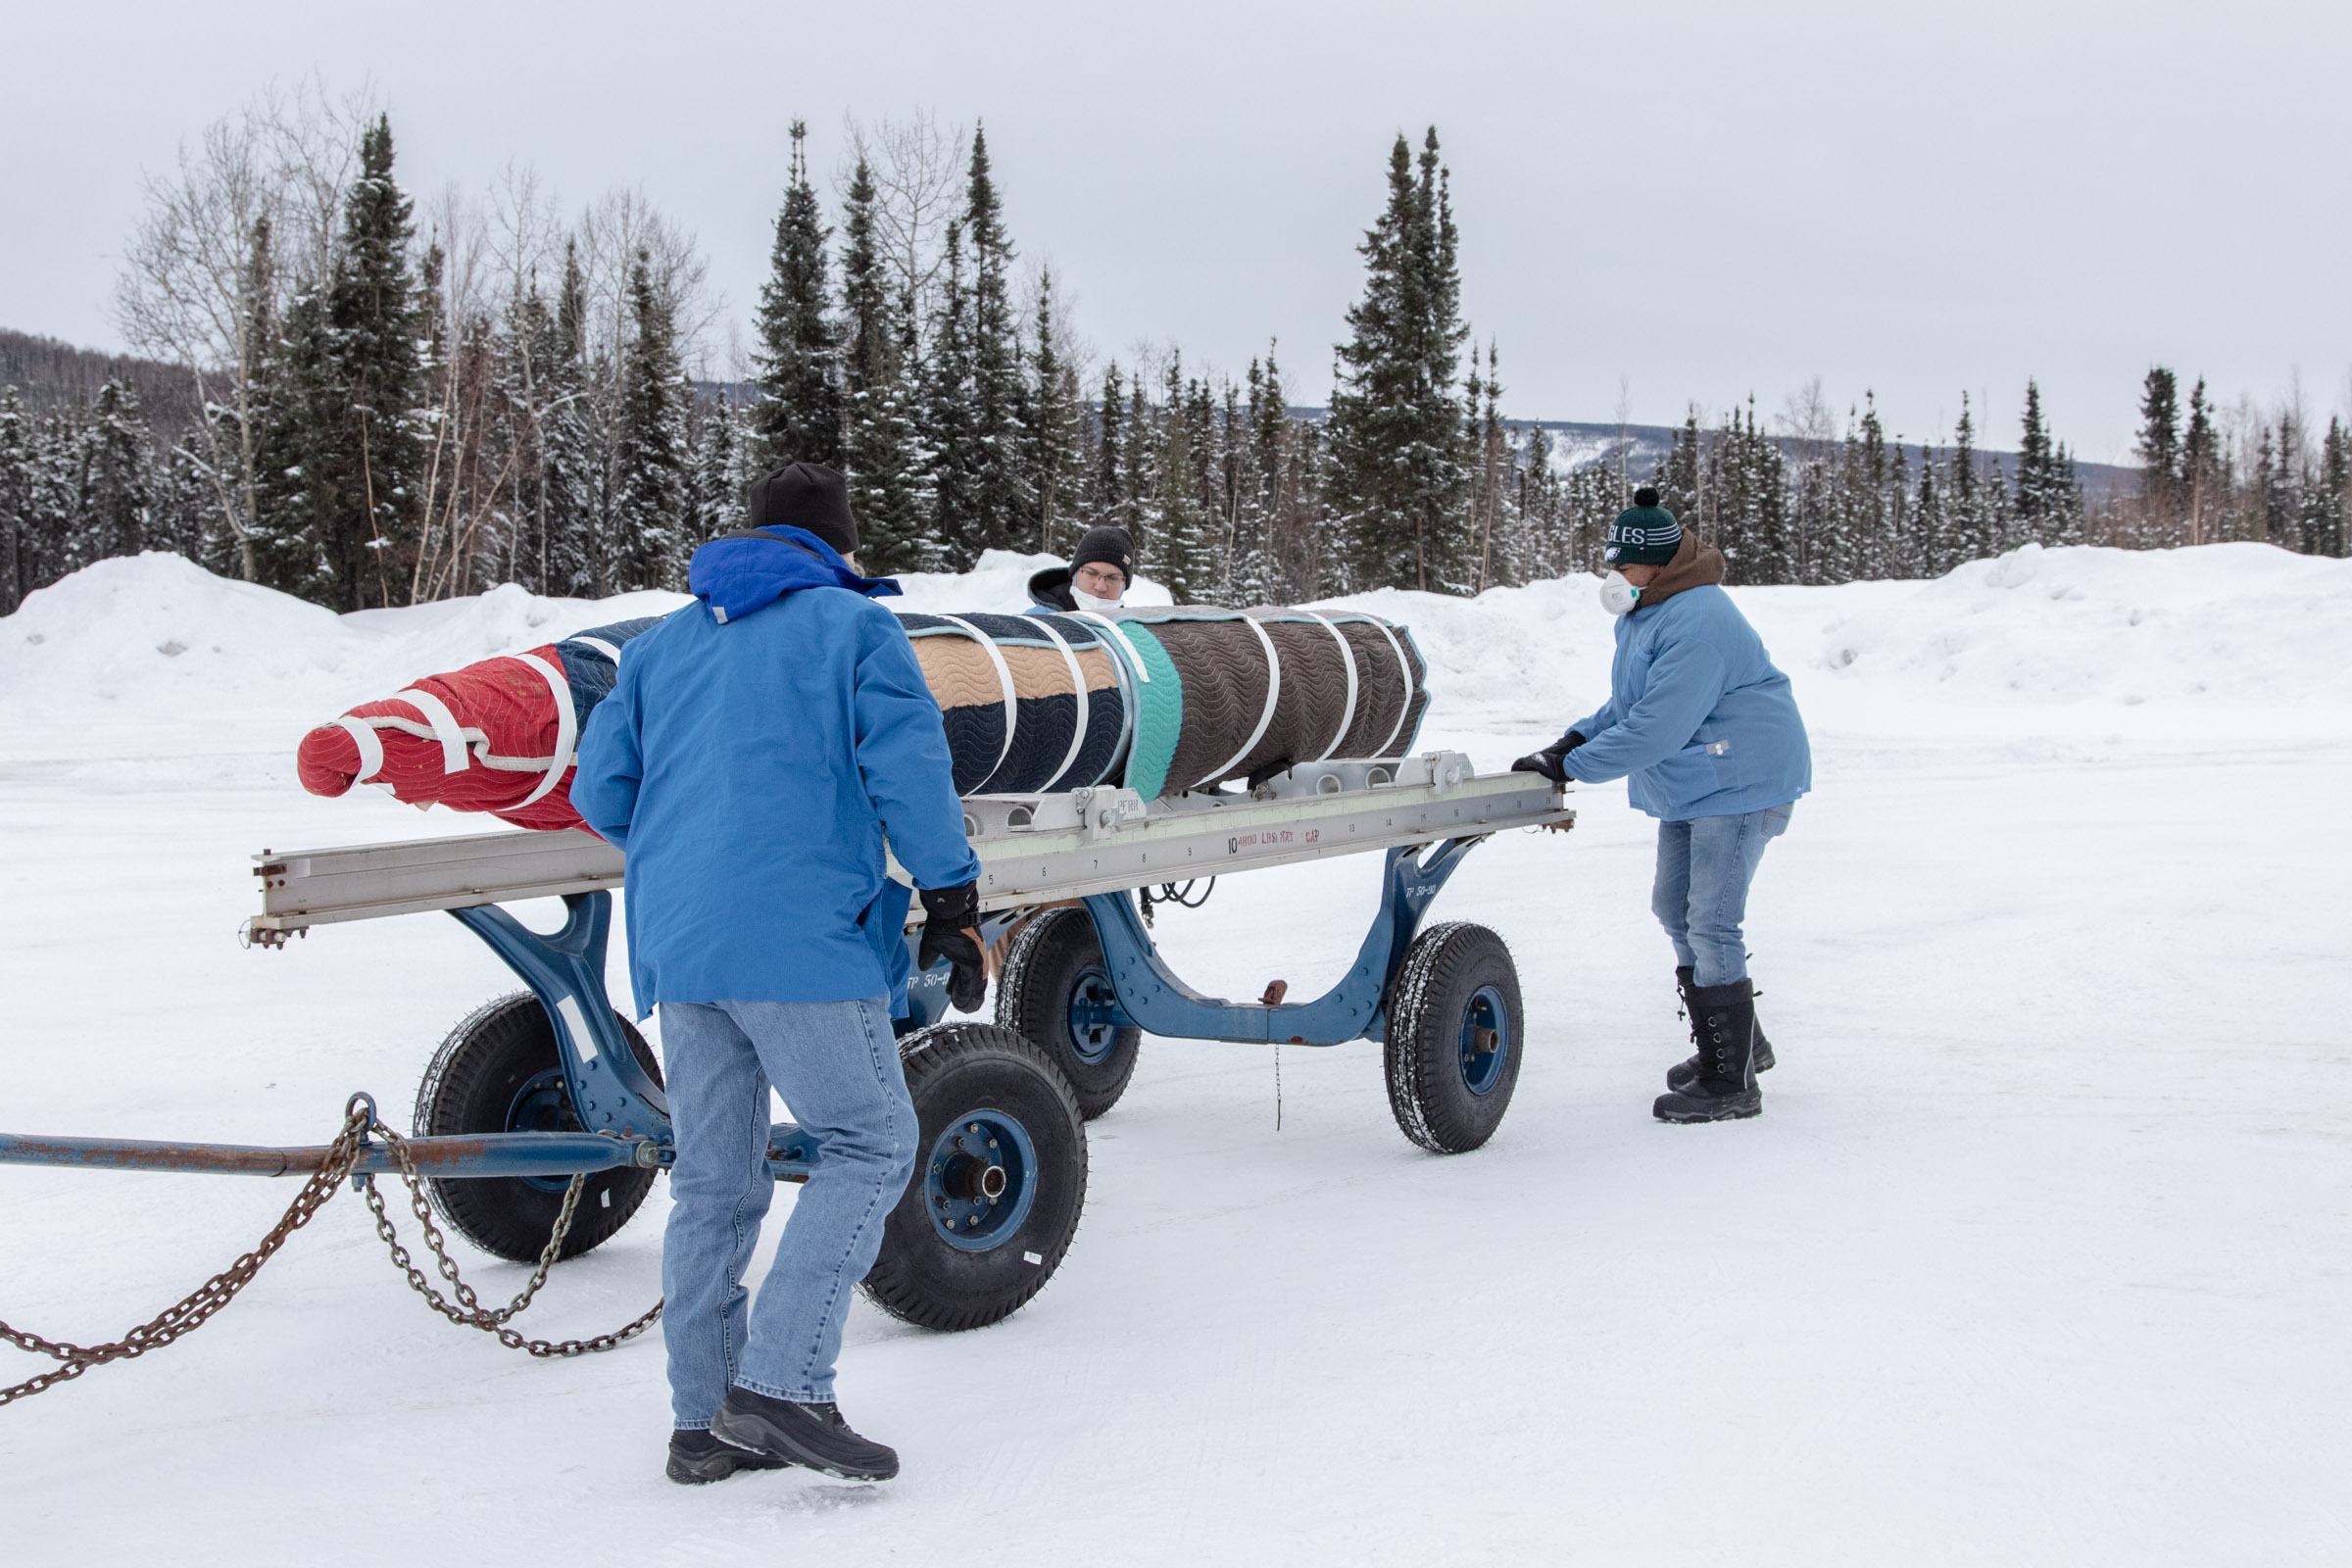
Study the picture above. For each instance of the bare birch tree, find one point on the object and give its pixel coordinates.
(246, 216)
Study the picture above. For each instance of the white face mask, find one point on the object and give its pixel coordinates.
(1087, 600)
(1617, 596)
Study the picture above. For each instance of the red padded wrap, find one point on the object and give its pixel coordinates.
(501, 700)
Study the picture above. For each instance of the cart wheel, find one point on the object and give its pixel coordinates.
(498, 1072)
(1056, 990)
(1453, 1037)
(1000, 1180)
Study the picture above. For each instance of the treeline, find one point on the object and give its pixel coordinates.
(399, 407)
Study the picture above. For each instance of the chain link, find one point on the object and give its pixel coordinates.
(192, 1310)
(468, 1310)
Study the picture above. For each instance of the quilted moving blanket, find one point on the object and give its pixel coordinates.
(1163, 701)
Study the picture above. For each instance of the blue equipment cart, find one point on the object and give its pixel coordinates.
(538, 1085)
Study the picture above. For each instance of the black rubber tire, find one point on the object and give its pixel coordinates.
(1042, 968)
(952, 1070)
(1443, 972)
(470, 1087)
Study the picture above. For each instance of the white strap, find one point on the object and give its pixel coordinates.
(567, 725)
(445, 726)
(1078, 685)
(1012, 699)
(1407, 670)
(1347, 719)
(610, 653)
(372, 749)
(1126, 675)
(1140, 674)
(1273, 694)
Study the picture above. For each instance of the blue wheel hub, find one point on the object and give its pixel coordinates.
(1486, 1042)
(980, 1180)
(543, 1105)
(1094, 1015)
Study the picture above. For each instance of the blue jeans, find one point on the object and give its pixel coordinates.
(837, 1065)
(1700, 898)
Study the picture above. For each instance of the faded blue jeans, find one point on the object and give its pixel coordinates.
(836, 1064)
(1700, 898)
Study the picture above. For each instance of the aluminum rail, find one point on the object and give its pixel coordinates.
(1032, 848)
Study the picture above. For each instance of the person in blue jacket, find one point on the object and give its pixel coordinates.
(1705, 732)
(756, 746)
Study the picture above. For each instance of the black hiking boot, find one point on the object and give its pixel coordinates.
(697, 1459)
(1683, 1074)
(1723, 1019)
(813, 1435)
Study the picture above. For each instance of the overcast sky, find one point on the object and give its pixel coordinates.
(1690, 202)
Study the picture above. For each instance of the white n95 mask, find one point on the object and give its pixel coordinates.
(1617, 596)
(1087, 600)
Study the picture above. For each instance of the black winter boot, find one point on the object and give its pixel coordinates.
(697, 1459)
(1724, 1021)
(1683, 1074)
(813, 1435)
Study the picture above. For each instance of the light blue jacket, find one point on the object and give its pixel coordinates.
(1698, 721)
(750, 769)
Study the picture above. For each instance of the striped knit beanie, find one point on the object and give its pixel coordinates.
(1644, 534)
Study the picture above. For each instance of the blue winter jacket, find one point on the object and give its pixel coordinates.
(755, 749)
(1698, 721)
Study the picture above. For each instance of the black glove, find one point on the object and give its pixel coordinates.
(951, 931)
(1548, 761)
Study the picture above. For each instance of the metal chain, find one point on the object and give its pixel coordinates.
(192, 1310)
(468, 1310)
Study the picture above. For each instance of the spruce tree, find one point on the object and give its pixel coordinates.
(115, 501)
(954, 454)
(340, 478)
(2335, 489)
(573, 560)
(372, 487)
(2158, 453)
(879, 450)
(648, 510)
(716, 492)
(1930, 525)
(1107, 495)
(799, 418)
(16, 501)
(1003, 507)
(2035, 503)
(1975, 504)
(2204, 470)
(1186, 562)
(1050, 465)
(1486, 454)
(1140, 450)
(1540, 547)
(1396, 476)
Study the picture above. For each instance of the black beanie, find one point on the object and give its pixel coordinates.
(1109, 546)
(807, 496)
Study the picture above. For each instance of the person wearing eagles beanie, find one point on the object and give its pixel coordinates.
(1705, 732)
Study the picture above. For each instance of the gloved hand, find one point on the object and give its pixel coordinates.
(951, 931)
(1550, 761)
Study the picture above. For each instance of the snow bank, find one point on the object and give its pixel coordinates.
(2041, 642)
(148, 660)
(2236, 623)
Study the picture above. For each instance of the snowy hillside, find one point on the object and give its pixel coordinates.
(2037, 1253)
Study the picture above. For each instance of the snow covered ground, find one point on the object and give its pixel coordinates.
(2038, 1255)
